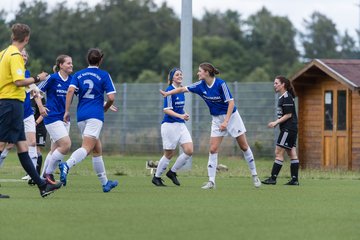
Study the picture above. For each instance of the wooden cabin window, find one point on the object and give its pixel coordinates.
(341, 110)
(328, 110)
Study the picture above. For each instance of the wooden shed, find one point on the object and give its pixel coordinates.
(328, 93)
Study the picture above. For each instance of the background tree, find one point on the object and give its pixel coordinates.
(320, 39)
(141, 40)
(273, 39)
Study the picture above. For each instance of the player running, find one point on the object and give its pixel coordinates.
(90, 85)
(55, 87)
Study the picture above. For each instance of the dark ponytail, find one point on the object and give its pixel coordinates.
(288, 86)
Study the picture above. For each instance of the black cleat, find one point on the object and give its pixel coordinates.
(31, 182)
(172, 175)
(50, 178)
(48, 188)
(293, 182)
(158, 182)
(4, 196)
(269, 181)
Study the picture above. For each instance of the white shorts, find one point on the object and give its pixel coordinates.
(29, 124)
(90, 127)
(58, 130)
(235, 126)
(173, 134)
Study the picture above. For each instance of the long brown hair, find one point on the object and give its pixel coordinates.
(288, 86)
(209, 68)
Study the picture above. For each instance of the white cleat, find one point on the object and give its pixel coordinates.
(256, 180)
(208, 185)
(26, 178)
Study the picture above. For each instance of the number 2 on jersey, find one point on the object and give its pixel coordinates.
(88, 93)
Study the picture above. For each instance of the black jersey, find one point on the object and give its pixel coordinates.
(286, 105)
(37, 112)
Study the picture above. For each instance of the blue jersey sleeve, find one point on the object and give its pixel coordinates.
(109, 85)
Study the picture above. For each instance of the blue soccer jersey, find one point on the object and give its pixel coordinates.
(56, 88)
(90, 84)
(216, 96)
(28, 111)
(176, 103)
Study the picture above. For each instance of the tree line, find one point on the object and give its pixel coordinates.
(141, 40)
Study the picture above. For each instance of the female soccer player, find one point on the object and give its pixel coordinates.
(55, 87)
(287, 121)
(174, 131)
(90, 85)
(226, 119)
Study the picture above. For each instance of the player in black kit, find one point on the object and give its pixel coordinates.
(288, 124)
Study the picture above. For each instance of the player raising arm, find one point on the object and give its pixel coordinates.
(226, 119)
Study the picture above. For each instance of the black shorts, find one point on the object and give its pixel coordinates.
(12, 121)
(41, 134)
(287, 139)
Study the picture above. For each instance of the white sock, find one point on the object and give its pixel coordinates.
(76, 157)
(3, 155)
(163, 164)
(56, 158)
(33, 155)
(249, 157)
(212, 164)
(46, 164)
(180, 162)
(99, 168)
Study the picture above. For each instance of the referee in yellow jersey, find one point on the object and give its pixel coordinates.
(12, 95)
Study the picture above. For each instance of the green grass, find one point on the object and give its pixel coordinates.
(324, 206)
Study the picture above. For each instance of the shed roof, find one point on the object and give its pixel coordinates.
(346, 71)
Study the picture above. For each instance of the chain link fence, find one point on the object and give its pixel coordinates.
(135, 128)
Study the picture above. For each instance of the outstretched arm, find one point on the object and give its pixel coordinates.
(174, 91)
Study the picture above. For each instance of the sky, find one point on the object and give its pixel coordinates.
(344, 13)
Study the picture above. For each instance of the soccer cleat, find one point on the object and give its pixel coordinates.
(4, 196)
(48, 188)
(31, 182)
(50, 178)
(26, 178)
(208, 185)
(293, 182)
(64, 170)
(172, 175)
(110, 185)
(158, 182)
(256, 181)
(269, 181)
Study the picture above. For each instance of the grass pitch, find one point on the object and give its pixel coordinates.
(324, 206)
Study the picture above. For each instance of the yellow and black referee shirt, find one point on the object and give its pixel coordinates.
(12, 68)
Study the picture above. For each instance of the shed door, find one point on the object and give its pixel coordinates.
(335, 125)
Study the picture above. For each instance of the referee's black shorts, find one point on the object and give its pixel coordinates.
(287, 139)
(12, 121)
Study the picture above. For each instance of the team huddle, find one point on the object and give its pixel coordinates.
(19, 127)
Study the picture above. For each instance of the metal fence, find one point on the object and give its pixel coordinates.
(135, 128)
